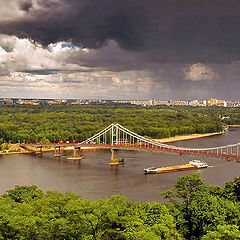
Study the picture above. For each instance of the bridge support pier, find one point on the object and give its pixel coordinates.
(38, 151)
(76, 154)
(114, 158)
(57, 152)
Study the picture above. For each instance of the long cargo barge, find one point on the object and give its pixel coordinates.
(194, 164)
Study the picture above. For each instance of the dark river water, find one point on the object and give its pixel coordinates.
(94, 179)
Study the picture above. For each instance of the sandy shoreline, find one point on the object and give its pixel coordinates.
(24, 151)
(186, 137)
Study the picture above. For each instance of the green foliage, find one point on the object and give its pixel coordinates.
(66, 123)
(6, 146)
(28, 213)
(199, 208)
(228, 232)
(23, 193)
(196, 211)
(15, 150)
(232, 189)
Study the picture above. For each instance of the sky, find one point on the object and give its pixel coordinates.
(120, 49)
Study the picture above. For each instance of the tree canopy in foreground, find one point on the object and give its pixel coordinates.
(194, 211)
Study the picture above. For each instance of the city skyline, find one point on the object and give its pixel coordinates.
(142, 102)
(119, 49)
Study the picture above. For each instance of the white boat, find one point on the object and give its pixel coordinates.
(198, 164)
(150, 170)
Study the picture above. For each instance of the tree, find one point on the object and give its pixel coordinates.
(23, 193)
(199, 208)
(160, 221)
(187, 188)
(232, 189)
(224, 232)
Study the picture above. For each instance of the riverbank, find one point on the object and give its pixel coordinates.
(15, 148)
(186, 137)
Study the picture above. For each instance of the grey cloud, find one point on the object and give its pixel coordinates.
(109, 57)
(42, 71)
(86, 23)
(169, 30)
(26, 5)
(170, 48)
(13, 9)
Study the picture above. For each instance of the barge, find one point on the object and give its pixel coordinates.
(194, 164)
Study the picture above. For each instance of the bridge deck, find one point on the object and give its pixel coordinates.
(130, 147)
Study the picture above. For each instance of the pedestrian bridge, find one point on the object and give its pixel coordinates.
(117, 137)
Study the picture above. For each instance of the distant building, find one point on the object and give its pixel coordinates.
(194, 103)
(162, 102)
(78, 102)
(52, 102)
(27, 102)
(62, 100)
(8, 101)
(216, 102)
(140, 102)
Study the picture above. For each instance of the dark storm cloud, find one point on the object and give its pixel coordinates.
(86, 23)
(42, 71)
(169, 30)
(25, 5)
(54, 71)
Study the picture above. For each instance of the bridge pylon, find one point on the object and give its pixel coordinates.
(114, 157)
(38, 151)
(57, 152)
(76, 154)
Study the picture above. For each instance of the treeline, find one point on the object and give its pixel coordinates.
(195, 211)
(66, 123)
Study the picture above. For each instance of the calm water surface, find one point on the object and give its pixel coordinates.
(94, 179)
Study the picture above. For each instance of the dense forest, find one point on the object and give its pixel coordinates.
(66, 123)
(194, 211)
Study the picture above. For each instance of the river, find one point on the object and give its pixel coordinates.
(94, 179)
